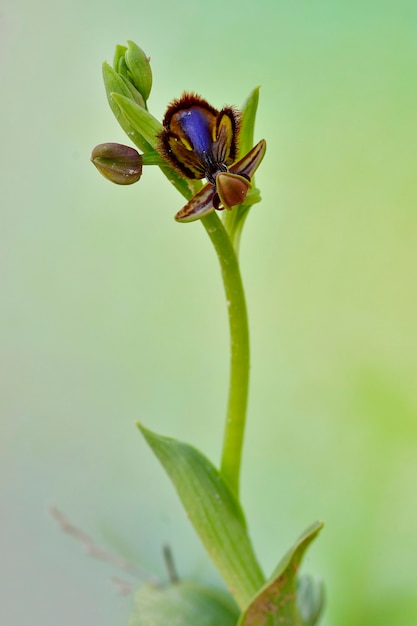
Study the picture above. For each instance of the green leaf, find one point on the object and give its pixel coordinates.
(153, 158)
(214, 511)
(184, 604)
(139, 118)
(247, 130)
(276, 603)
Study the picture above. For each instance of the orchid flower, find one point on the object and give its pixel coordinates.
(201, 142)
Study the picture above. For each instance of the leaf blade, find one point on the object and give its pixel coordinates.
(247, 131)
(276, 603)
(214, 512)
(185, 603)
(139, 118)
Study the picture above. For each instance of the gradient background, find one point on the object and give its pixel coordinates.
(110, 311)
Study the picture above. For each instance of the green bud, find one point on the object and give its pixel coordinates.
(116, 84)
(119, 54)
(119, 164)
(122, 68)
(139, 69)
(135, 94)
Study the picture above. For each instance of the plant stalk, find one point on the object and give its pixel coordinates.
(239, 352)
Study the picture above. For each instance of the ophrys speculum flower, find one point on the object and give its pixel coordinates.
(195, 142)
(202, 142)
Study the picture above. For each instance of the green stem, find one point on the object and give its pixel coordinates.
(239, 351)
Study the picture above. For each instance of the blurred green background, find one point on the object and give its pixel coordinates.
(112, 312)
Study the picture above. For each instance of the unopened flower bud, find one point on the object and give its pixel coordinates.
(139, 69)
(119, 164)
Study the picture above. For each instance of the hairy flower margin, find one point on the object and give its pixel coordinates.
(195, 141)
